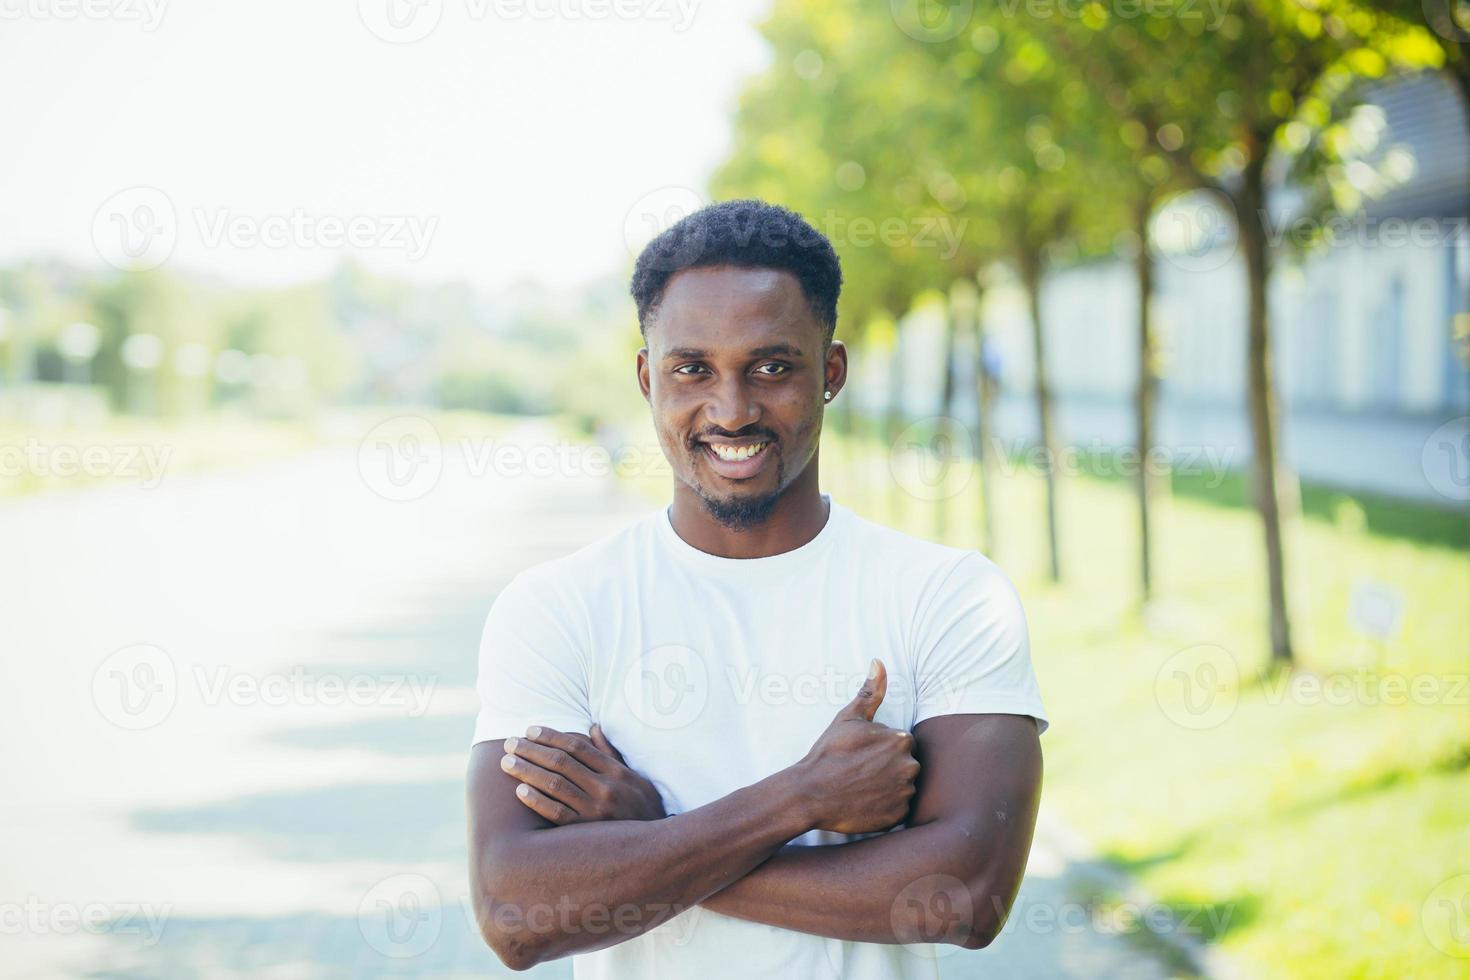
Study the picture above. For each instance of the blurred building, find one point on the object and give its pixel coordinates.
(1364, 329)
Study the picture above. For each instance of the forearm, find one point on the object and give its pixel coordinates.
(923, 884)
(560, 890)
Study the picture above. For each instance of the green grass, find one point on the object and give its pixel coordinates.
(1321, 828)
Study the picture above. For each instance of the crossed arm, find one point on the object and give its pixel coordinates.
(599, 878)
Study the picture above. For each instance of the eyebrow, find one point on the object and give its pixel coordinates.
(770, 350)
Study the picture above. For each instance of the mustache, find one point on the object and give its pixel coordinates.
(727, 434)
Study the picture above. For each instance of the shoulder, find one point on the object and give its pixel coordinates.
(933, 569)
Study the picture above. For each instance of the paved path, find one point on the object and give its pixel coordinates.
(236, 719)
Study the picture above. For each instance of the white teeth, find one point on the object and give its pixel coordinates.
(734, 454)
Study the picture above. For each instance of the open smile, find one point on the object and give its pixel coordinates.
(737, 461)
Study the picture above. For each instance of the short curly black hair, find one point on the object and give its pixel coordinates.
(748, 233)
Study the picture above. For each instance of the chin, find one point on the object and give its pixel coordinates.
(743, 511)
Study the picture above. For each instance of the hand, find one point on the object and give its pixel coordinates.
(860, 774)
(570, 778)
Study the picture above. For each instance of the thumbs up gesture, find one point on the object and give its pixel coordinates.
(859, 776)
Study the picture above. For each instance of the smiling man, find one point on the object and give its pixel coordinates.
(752, 734)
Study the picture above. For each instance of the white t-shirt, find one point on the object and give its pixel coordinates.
(711, 673)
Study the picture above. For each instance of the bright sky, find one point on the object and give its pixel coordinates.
(515, 138)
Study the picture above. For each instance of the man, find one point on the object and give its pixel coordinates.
(752, 734)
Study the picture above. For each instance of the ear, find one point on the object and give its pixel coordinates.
(835, 368)
(643, 380)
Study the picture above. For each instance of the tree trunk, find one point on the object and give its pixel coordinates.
(1030, 262)
(895, 423)
(946, 407)
(984, 403)
(1261, 395)
(1147, 388)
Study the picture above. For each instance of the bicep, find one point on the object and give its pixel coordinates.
(982, 773)
(496, 816)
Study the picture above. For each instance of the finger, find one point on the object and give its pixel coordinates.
(599, 739)
(552, 760)
(574, 744)
(556, 812)
(554, 785)
(870, 695)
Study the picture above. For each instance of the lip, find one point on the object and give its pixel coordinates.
(742, 469)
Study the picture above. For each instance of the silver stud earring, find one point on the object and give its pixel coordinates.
(828, 396)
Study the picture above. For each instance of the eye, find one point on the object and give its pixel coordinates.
(681, 369)
(780, 369)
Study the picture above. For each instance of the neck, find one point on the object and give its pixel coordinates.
(799, 515)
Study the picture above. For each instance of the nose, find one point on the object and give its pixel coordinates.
(730, 406)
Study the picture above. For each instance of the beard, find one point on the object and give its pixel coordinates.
(742, 512)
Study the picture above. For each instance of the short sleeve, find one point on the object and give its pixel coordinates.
(531, 671)
(973, 649)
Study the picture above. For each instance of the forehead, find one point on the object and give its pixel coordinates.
(732, 307)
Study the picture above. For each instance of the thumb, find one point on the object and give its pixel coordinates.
(870, 695)
(599, 739)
